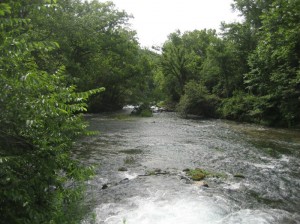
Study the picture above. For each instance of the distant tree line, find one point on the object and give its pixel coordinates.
(249, 72)
(60, 58)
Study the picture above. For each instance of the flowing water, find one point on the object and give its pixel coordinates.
(258, 181)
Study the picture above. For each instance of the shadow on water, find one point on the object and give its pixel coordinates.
(271, 141)
(140, 179)
(131, 151)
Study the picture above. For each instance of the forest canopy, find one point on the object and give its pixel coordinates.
(251, 67)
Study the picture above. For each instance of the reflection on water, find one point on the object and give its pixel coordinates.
(260, 167)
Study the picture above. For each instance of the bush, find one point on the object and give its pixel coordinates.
(238, 106)
(247, 107)
(196, 100)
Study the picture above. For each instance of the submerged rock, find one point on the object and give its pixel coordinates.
(238, 175)
(156, 109)
(197, 174)
(201, 184)
(122, 169)
(104, 186)
(125, 180)
(155, 172)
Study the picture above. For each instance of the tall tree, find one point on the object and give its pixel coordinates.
(251, 10)
(182, 58)
(275, 62)
(39, 120)
(97, 48)
(220, 69)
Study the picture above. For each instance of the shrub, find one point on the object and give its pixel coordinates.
(247, 107)
(197, 100)
(238, 106)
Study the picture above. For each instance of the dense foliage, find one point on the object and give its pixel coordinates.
(39, 121)
(98, 49)
(197, 100)
(56, 54)
(252, 67)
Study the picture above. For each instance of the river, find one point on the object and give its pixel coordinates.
(259, 179)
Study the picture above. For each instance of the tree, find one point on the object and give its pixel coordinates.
(252, 10)
(198, 101)
(275, 62)
(220, 69)
(145, 85)
(97, 48)
(182, 58)
(39, 121)
(174, 66)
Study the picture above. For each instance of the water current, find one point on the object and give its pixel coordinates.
(258, 167)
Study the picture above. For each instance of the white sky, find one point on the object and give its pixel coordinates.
(154, 20)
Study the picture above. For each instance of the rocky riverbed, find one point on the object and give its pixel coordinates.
(143, 165)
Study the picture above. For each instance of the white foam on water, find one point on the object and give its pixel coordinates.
(128, 107)
(263, 166)
(176, 211)
(163, 207)
(248, 216)
(284, 158)
(233, 186)
(130, 176)
(198, 210)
